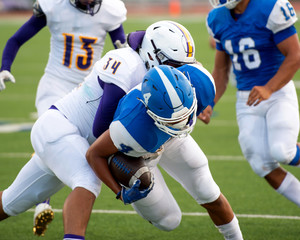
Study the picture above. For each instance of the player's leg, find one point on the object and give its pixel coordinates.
(254, 145)
(49, 91)
(79, 196)
(159, 207)
(257, 141)
(184, 161)
(60, 145)
(283, 128)
(33, 184)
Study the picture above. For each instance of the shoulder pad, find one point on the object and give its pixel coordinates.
(37, 10)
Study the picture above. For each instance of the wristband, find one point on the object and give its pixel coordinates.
(118, 195)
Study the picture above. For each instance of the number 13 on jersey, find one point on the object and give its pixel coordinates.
(83, 61)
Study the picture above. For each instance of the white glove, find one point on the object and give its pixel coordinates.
(121, 45)
(5, 76)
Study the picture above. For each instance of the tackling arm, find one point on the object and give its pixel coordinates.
(97, 156)
(107, 107)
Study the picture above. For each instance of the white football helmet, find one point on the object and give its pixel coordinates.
(167, 43)
(230, 4)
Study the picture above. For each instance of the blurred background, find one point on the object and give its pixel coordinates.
(134, 6)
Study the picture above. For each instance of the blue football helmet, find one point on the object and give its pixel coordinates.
(230, 4)
(86, 6)
(170, 100)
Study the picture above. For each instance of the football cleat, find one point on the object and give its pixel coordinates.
(43, 215)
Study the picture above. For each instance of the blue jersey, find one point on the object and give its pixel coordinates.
(133, 131)
(203, 83)
(251, 39)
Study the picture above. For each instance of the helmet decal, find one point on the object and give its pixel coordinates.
(167, 43)
(171, 93)
(188, 39)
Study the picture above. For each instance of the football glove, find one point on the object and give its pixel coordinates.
(118, 44)
(130, 195)
(5, 76)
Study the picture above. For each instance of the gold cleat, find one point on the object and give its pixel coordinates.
(42, 217)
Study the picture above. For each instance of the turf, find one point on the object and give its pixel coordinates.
(250, 196)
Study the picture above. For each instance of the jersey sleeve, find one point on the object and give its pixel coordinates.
(282, 16)
(107, 107)
(203, 83)
(119, 67)
(114, 13)
(124, 141)
(112, 69)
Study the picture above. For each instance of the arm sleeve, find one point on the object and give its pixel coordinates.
(118, 34)
(27, 31)
(107, 107)
(284, 34)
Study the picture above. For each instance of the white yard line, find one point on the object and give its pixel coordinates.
(193, 214)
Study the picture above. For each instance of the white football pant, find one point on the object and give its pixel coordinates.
(268, 132)
(183, 160)
(59, 160)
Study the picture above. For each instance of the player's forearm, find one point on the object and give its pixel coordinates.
(118, 34)
(221, 81)
(97, 156)
(285, 73)
(27, 31)
(100, 167)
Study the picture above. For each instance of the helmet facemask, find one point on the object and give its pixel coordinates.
(91, 8)
(170, 100)
(230, 4)
(179, 126)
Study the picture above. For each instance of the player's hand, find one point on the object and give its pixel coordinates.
(205, 115)
(133, 194)
(5, 76)
(118, 44)
(258, 94)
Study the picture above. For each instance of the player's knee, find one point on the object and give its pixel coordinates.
(281, 153)
(169, 222)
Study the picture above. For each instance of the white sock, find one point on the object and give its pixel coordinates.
(231, 231)
(290, 188)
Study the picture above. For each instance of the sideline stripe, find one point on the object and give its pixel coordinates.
(15, 127)
(210, 157)
(193, 214)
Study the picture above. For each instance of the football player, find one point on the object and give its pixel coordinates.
(60, 150)
(62, 135)
(260, 41)
(156, 117)
(78, 29)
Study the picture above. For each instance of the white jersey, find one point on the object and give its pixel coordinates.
(122, 67)
(77, 39)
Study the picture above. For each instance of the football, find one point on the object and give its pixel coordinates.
(126, 170)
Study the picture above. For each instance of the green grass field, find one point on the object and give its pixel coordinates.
(263, 214)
